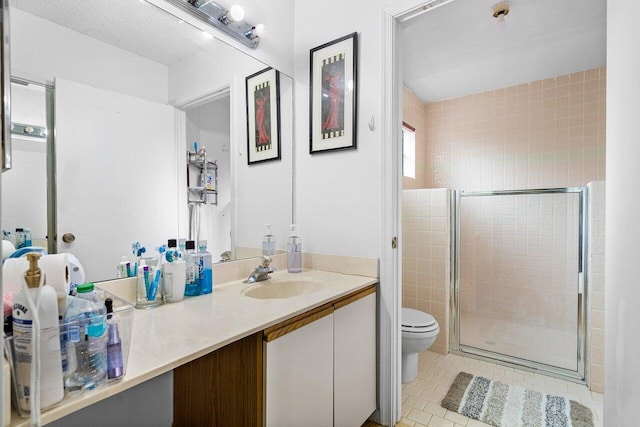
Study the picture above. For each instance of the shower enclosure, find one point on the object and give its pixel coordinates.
(519, 277)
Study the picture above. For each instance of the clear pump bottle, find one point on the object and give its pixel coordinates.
(294, 252)
(268, 242)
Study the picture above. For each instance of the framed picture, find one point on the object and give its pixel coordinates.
(332, 97)
(263, 116)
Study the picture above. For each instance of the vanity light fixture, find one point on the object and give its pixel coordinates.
(235, 14)
(231, 22)
(257, 31)
(500, 10)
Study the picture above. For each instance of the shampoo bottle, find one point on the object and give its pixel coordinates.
(268, 242)
(174, 273)
(43, 344)
(294, 252)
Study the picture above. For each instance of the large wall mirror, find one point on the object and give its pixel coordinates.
(127, 89)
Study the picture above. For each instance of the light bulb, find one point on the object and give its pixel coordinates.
(501, 23)
(235, 14)
(259, 30)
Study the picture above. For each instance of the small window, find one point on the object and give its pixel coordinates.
(408, 151)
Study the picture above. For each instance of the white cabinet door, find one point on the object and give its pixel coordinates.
(355, 362)
(116, 164)
(299, 377)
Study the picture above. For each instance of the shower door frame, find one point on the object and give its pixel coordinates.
(454, 341)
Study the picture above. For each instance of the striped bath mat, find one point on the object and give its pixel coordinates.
(502, 405)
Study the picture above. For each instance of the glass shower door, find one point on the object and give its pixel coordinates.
(519, 265)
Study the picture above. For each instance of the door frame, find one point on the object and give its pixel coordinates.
(390, 368)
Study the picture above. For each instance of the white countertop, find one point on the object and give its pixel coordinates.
(166, 337)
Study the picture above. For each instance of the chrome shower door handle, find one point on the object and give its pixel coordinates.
(5, 86)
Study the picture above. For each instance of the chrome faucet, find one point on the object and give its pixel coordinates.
(261, 272)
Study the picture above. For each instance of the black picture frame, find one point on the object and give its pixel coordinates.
(333, 100)
(263, 116)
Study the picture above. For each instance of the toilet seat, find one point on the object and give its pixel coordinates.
(415, 321)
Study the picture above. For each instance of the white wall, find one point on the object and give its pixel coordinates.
(209, 125)
(622, 290)
(43, 50)
(338, 195)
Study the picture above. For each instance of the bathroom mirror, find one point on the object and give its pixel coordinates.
(134, 88)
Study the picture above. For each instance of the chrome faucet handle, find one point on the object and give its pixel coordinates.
(265, 261)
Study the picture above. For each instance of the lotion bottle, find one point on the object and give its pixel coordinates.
(268, 242)
(115, 367)
(294, 252)
(41, 342)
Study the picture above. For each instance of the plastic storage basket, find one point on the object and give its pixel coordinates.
(122, 313)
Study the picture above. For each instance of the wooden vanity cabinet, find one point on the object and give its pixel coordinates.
(315, 369)
(222, 388)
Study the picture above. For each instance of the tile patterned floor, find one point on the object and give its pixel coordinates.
(421, 398)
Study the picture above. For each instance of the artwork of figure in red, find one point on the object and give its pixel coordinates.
(333, 96)
(262, 118)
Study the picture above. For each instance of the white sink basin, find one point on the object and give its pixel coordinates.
(284, 288)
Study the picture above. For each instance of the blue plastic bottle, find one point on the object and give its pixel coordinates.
(205, 274)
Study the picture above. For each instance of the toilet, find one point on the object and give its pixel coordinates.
(419, 332)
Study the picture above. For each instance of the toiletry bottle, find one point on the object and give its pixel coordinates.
(115, 367)
(86, 328)
(124, 268)
(205, 274)
(174, 273)
(268, 242)
(27, 237)
(294, 252)
(182, 247)
(27, 343)
(20, 238)
(191, 288)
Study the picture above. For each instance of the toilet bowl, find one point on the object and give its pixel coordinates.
(419, 332)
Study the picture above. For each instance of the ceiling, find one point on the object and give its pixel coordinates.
(126, 24)
(455, 49)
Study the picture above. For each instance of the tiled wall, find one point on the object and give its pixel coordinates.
(414, 112)
(546, 133)
(426, 257)
(595, 282)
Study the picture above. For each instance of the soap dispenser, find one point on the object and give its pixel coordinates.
(36, 335)
(268, 242)
(294, 252)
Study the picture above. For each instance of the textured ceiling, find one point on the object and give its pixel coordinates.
(455, 50)
(132, 25)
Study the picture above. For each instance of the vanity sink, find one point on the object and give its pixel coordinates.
(284, 288)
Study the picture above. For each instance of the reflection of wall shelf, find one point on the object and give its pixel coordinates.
(200, 188)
